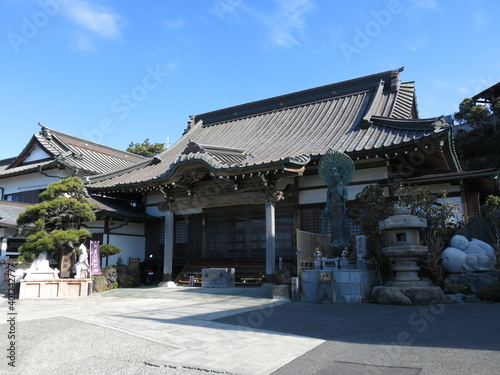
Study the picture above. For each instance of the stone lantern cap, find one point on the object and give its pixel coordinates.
(402, 219)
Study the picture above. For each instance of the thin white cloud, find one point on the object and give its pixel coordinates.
(99, 21)
(416, 45)
(82, 42)
(480, 22)
(289, 22)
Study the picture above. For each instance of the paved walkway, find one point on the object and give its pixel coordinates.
(183, 319)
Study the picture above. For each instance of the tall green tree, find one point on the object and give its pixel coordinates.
(53, 225)
(477, 148)
(146, 148)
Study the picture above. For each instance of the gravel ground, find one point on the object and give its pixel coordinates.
(67, 346)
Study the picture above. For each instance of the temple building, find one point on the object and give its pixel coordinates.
(241, 180)
(51, 156)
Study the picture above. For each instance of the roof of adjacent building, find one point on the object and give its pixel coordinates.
(358, 116)
(65, 150)
(9, 211)
(488, 95)
(119, 209)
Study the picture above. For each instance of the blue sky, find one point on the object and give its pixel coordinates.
(117, 72)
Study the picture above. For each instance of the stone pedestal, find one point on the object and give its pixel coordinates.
(318, 286)
(52, 288)
(353, 285)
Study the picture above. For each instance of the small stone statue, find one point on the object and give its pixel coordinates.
(468, 256)
(82, 265)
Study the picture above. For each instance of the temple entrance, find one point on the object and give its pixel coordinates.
(240, 233)
(237, 232)
(235, 235)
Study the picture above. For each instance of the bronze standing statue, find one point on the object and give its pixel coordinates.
(336, 169)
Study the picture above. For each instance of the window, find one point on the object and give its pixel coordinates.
(181, 231)
(31, 196)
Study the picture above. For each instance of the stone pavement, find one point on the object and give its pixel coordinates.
(189, 331)
(182, 319)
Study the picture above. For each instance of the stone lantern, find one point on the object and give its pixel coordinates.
(402, 237)
(401, 232)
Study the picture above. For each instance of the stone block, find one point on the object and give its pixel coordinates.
(349, 298)
(474, 281)
(100, 284)
(354, 276)
(453, 298)
(406, 296)
(217, 278)
(423, 295)
(341, 276)
(389, 296)
(349, 288)
(468, 298)
(318, 287)
(281, 292)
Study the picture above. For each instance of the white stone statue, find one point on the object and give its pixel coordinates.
(40, 269)
(3, 250)
(468, 256)
(82, 264)
(41, 263)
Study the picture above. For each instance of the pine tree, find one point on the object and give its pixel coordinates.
(53, 224)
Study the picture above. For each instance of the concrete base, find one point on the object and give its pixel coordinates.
(53, 288)
(406, 296)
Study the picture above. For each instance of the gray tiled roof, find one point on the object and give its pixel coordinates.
(356, 116)
(70, 151)
(9, 211)
(119, 209)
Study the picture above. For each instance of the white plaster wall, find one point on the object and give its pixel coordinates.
(36, 154)
(132, 247)
(370, 174)
(319, 195)
(32, 181)
(312, 196)
(131, 228)
(359, 176)
(310, 181)
(93, 224)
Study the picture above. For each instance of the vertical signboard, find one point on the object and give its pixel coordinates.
(95, 258)
(361, 246)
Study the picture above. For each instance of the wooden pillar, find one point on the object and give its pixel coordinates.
(168, 250)
(270, 238)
